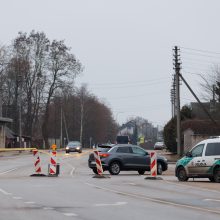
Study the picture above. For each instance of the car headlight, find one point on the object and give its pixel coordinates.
(67, 148)
(77, 148)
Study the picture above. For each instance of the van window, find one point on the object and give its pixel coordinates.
(197, 151)
(212, 149)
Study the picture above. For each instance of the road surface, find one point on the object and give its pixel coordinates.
(75, 194)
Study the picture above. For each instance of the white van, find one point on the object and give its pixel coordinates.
(203, 161)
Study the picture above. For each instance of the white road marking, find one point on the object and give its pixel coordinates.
(16, 197)
(70, 214)
(133, 184)
(189, 186)
(72, 171)
(29, 202)
(48, 208)
(214, 200)
(155, 199)
(8, 171)
(5, 193)
(114, 204)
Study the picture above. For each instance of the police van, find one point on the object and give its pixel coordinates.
(202, 161)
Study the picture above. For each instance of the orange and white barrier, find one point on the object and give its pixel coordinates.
(98, 162)
(153, 164)
(53, 163)
(37, 164)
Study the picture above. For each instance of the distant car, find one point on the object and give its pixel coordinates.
(159, 146)
(74, 146)
(127, 157)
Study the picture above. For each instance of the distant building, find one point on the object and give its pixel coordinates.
(3, 122)
(143, 128)
(195, 131)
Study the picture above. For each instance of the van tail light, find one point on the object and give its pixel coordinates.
(103, 155)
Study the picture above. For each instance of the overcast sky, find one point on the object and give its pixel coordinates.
(126, 46)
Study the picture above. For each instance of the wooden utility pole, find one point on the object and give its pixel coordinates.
(180, 149)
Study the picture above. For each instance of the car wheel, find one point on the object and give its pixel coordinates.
(181, 174)
(159, 169)
(95, 170)
(141, 172)
(67, 152)
(114, 168)
(80, 152)
(216, 175)
(211, 179)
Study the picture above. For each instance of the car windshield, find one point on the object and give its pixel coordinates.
(72, 144)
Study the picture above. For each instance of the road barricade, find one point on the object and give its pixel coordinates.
(153, 167)
(37, 164)
(153, 164)
(53, 166)
(98, 165)
(98, 162)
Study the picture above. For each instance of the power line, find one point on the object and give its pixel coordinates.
(202, 55)
(201, 51)
(131, 82)
(134, 96)
(134, 85)
(186, 68)
(196, 61)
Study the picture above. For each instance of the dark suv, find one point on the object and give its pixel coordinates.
(127, 157)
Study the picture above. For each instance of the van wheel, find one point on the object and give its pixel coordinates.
(114, 168)
(181, 174)
(216, 175)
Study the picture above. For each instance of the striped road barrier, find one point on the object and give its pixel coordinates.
(98, 162)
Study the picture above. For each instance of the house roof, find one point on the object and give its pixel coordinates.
(5, 120)
(202, 127)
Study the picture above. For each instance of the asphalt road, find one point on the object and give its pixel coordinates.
(75, 194)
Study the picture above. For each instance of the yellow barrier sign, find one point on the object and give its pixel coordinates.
(54, 147)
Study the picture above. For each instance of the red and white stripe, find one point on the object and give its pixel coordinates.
(153, 164)
(37, 162)
(53, 163)
(98, 162)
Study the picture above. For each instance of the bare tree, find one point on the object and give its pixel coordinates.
(62, 70)
(2, 75)
(209, 83)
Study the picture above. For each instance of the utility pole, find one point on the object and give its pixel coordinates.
(1, 91)
(19, 107)
(61, 124)
(172, 97)
(177, 68)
